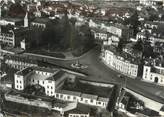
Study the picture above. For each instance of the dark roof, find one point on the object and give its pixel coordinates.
(42, 20)
(81, 109)
(24, 72)
(57, 76)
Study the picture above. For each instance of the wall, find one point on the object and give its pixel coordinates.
(149, 103)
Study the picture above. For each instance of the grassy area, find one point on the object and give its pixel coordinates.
(88, 89)
(20, 109)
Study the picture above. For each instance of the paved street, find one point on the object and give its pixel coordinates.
(97, 71)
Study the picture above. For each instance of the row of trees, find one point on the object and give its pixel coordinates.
(62, 34)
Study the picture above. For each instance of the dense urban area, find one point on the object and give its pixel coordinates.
(81, 58)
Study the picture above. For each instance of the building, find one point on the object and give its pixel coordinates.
(19, 61)
(13, 37)
(85, 92)
(80, 111)
(153, 74)
(64, 86)
(125, 64)
(11, 21)
(50, 79)
(40, 23)
(121, 31)
(151, 2)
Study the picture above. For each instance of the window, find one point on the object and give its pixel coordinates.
(86, 101)
(74, 98)
(17, 81)
(51, 87)
(61, 96)
(51, 92)
(47, 86)
(91, 101)
(47, 91)
(81, 99)
(57, 95)
(43, 82)
(68, 97)
(20, 87)
(33, 80)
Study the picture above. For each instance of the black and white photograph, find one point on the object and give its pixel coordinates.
(81, 58)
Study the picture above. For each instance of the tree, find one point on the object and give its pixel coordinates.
(139, 46)
(120, 45)
(134, 22)
(113, 99)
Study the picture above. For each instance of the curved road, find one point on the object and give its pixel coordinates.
(98, 71)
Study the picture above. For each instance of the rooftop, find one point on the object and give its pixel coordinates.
(30, 69)
(58, 75)
(88, 90)
(69, 92)
(41, 20)
(81, 109)
(35, 76)
(89, 96)
(123, 56)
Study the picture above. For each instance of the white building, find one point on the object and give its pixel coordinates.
(153, 74)
(119, 63)
(121, 31)
(150, 2)
(19, 62)
(53, 81)
(50, 79)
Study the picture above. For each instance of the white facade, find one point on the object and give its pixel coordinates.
(120, 64)
(78, 115)
(101, 36)
(150, 2)
(92, 100)
(36, 76)
(151, 76)
(116, 31)
(7, 39)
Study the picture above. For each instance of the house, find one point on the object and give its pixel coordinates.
(153, 74)
(151, 2)
(85, 93)
(50, 79)
(121, 31)
(13, 37)
(19, 61)
(40, 23)
(80, 111)
(124, 63)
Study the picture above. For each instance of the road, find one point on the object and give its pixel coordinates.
(98, 71)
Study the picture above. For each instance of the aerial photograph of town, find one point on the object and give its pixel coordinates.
(81, 58)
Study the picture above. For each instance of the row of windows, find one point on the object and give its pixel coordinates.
(78, 115)
(18, 87)
(48, 92)
(81, 99)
